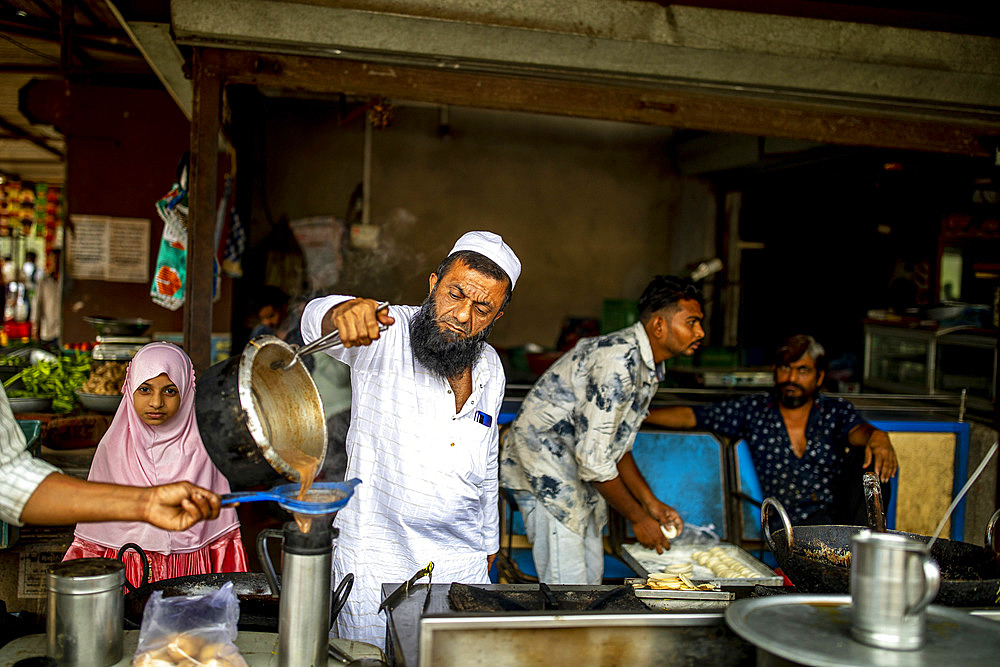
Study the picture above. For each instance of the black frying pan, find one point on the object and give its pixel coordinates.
(817, 559)
(258, 608)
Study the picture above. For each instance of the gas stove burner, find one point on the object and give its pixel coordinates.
(465, 598)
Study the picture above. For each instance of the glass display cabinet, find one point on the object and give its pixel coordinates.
(920, 361)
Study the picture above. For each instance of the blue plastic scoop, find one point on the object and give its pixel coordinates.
(321, 498)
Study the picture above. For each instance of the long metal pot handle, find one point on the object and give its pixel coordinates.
(325, 342)
(990, 534)
(766, 527)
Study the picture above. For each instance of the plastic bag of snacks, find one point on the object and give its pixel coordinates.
(190, 631)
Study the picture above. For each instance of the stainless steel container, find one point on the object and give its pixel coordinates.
(86, 608)
(304, 609)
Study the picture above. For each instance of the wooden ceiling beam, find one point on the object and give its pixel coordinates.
(854, 124)
(27, 136)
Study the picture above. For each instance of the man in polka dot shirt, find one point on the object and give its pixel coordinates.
(799, 439)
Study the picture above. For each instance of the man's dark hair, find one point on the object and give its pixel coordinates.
(30, 256)
(480, 264)
(796, 347)
(271, 295)
(664, 292)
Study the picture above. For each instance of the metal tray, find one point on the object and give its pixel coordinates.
(643, 561)
(816, 630)
(679, 595)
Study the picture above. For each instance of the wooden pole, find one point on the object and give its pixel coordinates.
(204, 166)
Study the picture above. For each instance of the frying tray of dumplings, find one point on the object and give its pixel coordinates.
(723, 563)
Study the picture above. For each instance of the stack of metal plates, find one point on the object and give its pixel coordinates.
(118, 348)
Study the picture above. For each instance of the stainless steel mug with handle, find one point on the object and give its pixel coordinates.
(893, 579)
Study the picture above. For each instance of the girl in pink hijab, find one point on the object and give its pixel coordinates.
(152, 440)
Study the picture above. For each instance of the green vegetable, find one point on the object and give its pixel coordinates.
(58, 379)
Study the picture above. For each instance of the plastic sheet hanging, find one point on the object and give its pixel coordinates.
(167, 289)
(170, 279)
(235, 234)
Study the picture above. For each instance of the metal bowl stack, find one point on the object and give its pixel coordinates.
(23, 404)
(111, 326)
(118, 339)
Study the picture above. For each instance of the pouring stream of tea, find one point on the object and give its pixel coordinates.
(306, 466)
(961, 494)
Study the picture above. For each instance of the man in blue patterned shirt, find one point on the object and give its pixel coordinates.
(800, 440)
(569, 450)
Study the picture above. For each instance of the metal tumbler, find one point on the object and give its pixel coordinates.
(86, 610)
(893, 579)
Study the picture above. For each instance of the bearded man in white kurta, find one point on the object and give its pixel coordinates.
(426, 395)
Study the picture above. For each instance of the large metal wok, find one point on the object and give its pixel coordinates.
(817, 559)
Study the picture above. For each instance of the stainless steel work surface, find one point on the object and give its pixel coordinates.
(259, 649)
(816, 630)
(442, 637)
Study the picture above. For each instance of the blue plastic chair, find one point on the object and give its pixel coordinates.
(686, 470)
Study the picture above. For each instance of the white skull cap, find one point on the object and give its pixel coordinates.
(491, 245)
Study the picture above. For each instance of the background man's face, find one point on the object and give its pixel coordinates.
(270, 316)
(684, 331)
(797, 382)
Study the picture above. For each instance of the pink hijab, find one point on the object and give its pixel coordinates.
(137, 454)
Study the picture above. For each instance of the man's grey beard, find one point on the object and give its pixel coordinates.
(443, 352)
(792, 401)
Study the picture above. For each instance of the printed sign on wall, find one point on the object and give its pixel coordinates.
(106, 248)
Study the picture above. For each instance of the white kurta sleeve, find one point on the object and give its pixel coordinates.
(314, 312)
(20, 472)
(358, 357)
(489, 497)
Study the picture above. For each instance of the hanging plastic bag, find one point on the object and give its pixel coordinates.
(170, 279)
(167, 289)
(696, 535)
(190, 630)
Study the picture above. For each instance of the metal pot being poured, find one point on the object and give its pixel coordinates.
(261, 417)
